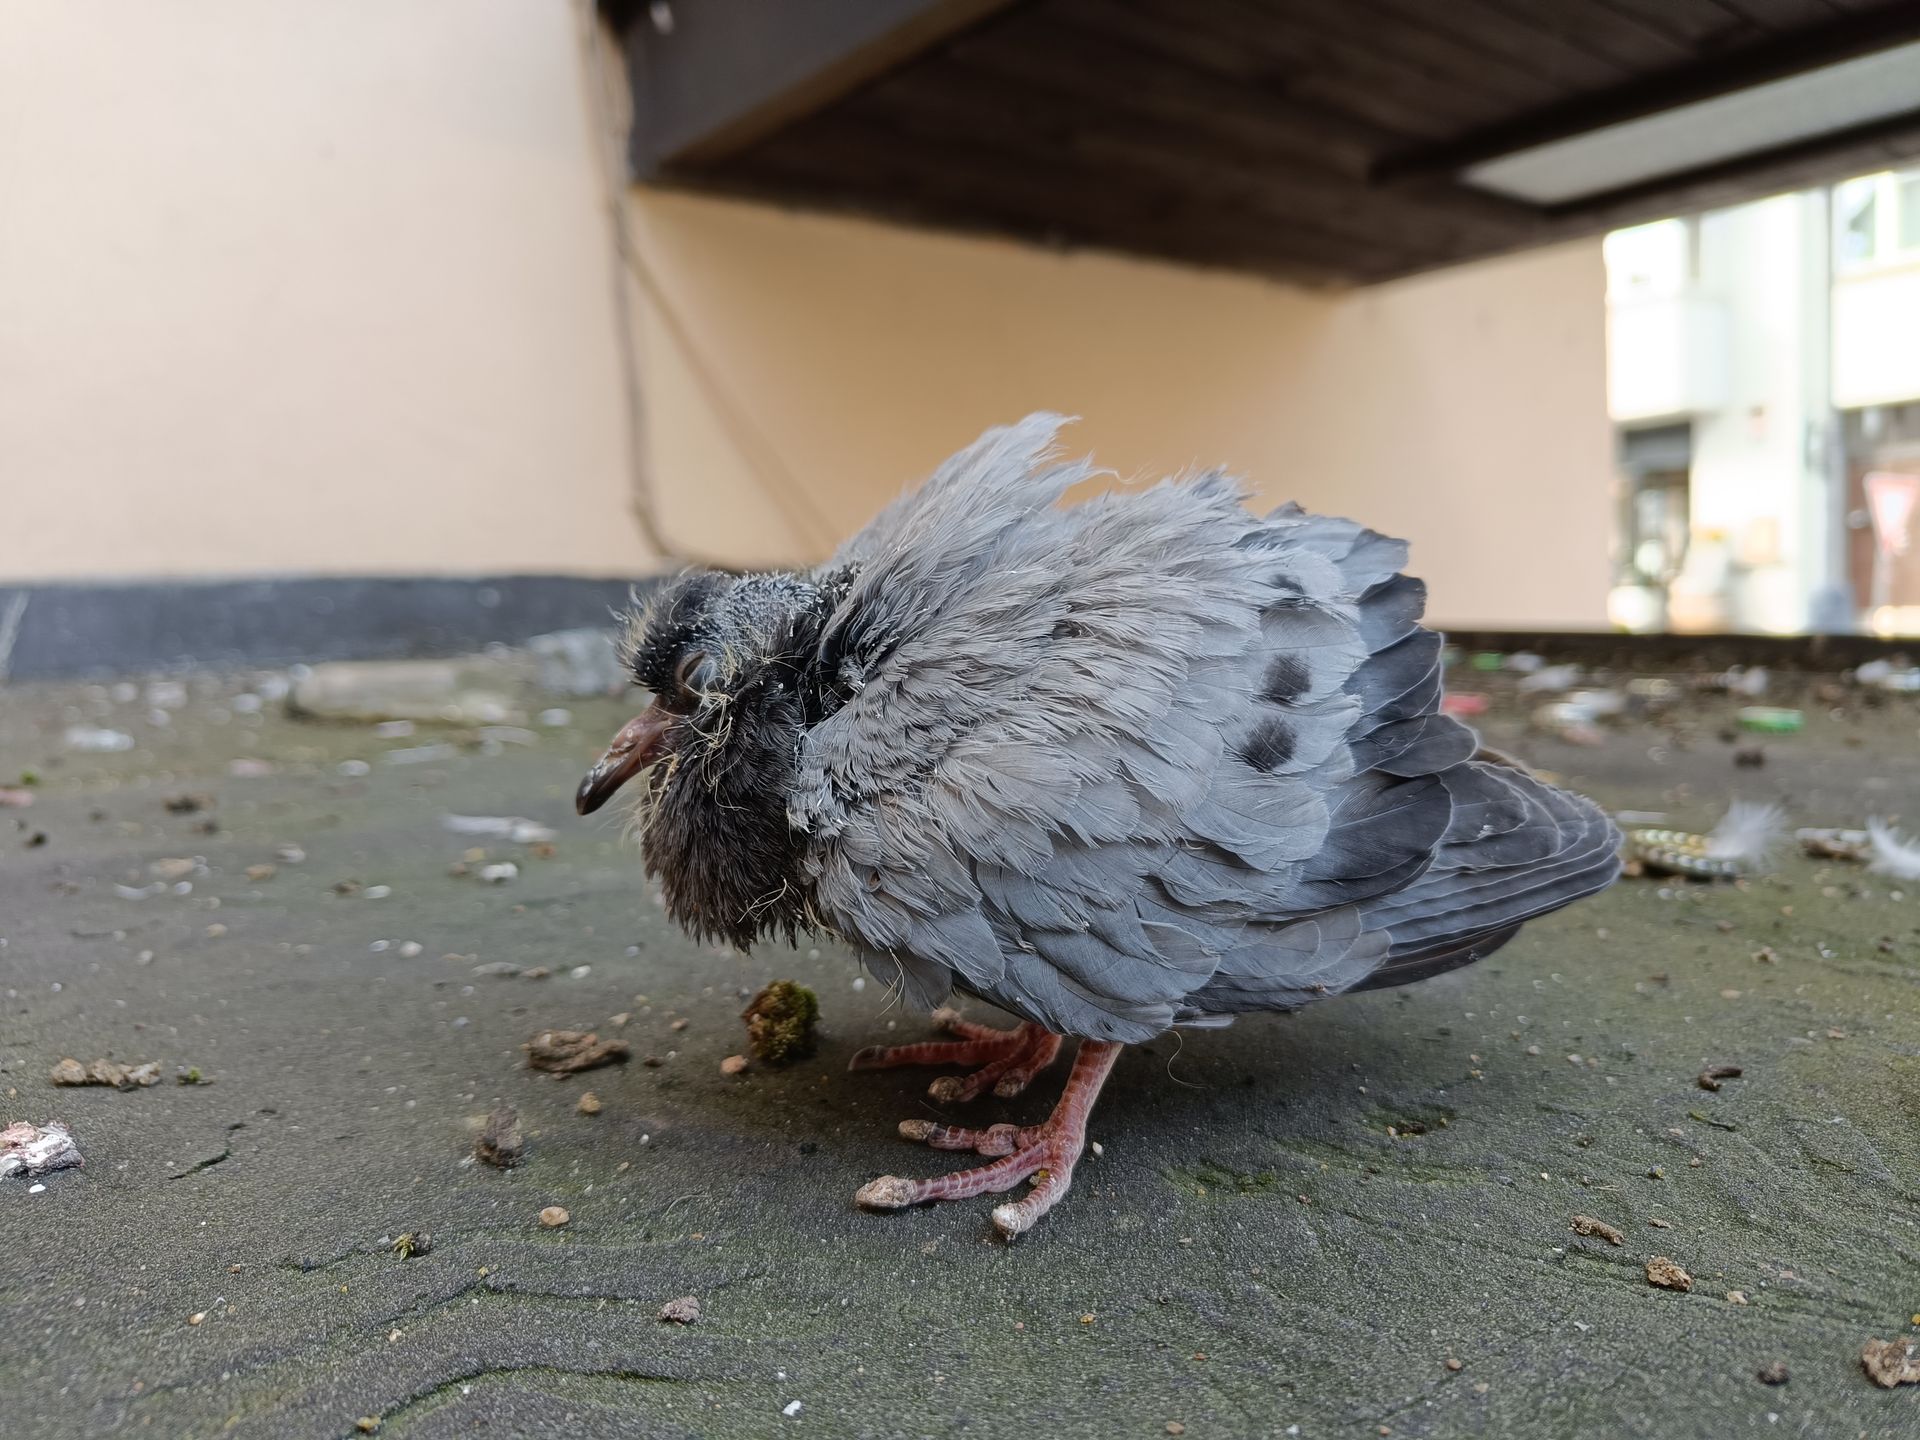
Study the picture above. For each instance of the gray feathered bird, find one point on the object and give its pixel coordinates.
(1145, 761)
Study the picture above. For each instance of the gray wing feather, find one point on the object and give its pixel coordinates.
(1148, 759)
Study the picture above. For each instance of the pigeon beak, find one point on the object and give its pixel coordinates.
(636, 747)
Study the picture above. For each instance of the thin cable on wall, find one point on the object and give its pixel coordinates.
(764, 461)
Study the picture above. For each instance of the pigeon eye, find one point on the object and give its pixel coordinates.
(691, 671)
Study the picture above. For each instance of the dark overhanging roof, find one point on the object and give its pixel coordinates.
(1317, 140)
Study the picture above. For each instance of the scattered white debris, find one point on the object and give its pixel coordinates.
(90, 739)
(140, 892)
(791, 1409)
(1746, 833)
(498, 874)
(290, 855)
(354, 767)
(248, 768)
(1886, 675)
(1552, 679)
(1834, 844)
(411, 949)
(377, 892)
(420, 754)
(556, 717)
(503, 827)
(1893, 853)
(580, 972)
(507, 735)
(393, 729)
(29, 1150)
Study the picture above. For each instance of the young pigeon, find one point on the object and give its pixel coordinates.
(1142, 762)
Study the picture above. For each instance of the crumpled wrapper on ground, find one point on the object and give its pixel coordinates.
(31, 1150)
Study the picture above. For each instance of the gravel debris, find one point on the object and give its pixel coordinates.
(105, 1072)
(566, 1052)
(684, 1311)
(1588, 1225)
(1891, 1362)
(1667, 1274)
(500, 1144)
(554, 1216)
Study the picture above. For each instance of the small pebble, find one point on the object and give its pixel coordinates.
(411, 949)
(733, 1065)
(679, 1024)
(554, 1216)
(589, 1104)
(684, 1311)
(1667, 1275)
(197, 1317)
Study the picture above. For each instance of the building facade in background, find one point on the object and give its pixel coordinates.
(1764, 383)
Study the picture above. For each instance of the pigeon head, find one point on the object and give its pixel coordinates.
(714, 650)
(728, 661)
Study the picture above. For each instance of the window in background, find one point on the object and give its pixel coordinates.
(1876, 221)
(1649, 262)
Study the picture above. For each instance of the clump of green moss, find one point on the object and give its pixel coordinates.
(780, 1021)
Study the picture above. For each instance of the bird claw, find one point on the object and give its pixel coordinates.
(1043, 1154)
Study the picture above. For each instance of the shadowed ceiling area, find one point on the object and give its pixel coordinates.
(1321, 141)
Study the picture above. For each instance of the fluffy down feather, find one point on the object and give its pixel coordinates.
(1152, 759)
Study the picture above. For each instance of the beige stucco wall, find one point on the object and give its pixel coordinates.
(1464, 410)
(297, 286)
(288, 287)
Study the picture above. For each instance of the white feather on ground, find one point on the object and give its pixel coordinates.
(1893, 853)
(1747, 833)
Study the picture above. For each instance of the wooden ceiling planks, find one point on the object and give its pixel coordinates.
(1319, 140)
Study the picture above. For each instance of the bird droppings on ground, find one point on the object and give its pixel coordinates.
(683, 1311)
(1667, 1274)
(588, 1103)
(1710, 1078)
(567, 1052)
(501, 1144)
(1588, 1225)
(105, 1072)
(555, 1216)
(32, 1150)
(1892, 1362)
(780, 1022)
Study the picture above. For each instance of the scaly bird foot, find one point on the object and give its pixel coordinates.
(1045, 1154)
(1007, 1060)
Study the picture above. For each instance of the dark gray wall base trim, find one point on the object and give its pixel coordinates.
(63, 631)
(1653, 654)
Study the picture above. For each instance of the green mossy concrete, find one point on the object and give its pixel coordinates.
(1253, 1251)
